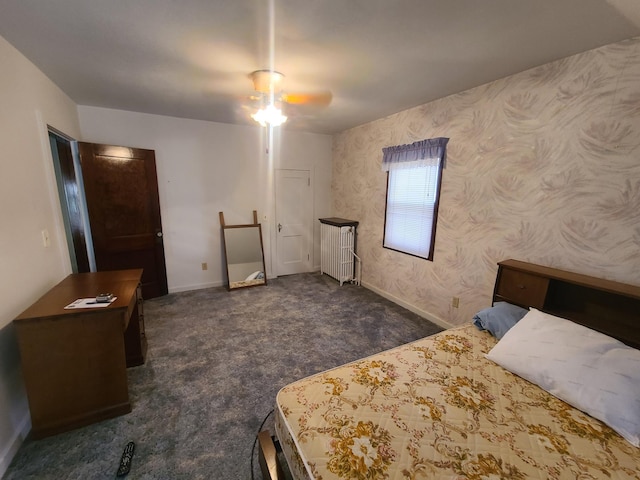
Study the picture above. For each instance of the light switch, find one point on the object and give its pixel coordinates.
(46, 241)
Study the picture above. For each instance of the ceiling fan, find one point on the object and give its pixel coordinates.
(268, 86)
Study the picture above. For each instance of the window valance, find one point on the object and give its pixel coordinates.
(422, 153)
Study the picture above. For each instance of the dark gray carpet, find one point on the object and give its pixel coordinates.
(215, 362)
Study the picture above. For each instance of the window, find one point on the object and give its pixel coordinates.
(413, 191)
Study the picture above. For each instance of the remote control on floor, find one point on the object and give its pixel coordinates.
(125, 461)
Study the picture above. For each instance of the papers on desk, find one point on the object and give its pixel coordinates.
(88, 303)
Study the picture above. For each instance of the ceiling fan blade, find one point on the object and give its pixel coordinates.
(321, 99)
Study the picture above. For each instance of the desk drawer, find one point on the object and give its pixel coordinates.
(522, 288)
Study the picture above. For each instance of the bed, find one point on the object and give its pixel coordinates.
(474, 401)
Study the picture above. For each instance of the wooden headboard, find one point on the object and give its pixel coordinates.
(609, 307)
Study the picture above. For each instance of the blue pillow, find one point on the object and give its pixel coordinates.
(498, 319)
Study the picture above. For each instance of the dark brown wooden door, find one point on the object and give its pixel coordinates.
(70, 201)
(121, 187)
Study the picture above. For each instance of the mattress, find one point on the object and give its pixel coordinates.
(437, 408)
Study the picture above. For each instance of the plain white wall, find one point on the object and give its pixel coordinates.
(28, 204)
(204, 168)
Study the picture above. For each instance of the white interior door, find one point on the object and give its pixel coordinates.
(294, 222)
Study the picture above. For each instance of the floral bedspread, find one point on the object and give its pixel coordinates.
(436, 409)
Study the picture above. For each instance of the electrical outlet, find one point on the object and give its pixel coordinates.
(455, 302)
(204, 265)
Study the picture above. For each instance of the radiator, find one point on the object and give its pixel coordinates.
(337, 250)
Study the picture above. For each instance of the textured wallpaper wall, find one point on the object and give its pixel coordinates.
(542, 166)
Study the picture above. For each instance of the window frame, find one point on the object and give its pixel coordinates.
(436, 206)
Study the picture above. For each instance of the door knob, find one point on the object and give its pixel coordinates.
(159, 234)
(279, 226)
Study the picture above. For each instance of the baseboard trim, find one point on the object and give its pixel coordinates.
(200, 286)
(14, 444)
(424, 314)
(197, 286)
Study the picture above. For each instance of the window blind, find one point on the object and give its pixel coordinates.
(411, 200)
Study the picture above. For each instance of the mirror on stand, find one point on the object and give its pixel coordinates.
(244, 254)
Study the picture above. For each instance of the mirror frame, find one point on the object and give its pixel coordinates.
(225, 228)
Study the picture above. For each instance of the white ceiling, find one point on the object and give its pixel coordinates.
(191, 58)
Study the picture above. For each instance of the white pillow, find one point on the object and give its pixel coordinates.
(591, 371)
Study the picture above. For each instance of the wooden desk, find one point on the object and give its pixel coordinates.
(74, 361)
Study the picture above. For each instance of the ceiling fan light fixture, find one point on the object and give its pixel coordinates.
(270, 115)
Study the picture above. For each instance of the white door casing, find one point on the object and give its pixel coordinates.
(294, 221)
